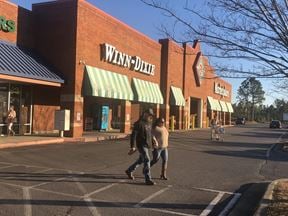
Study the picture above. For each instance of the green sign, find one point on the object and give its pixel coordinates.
(7, 25)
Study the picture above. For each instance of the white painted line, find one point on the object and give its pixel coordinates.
(152, 196)
(212, 204)
(27, 174)
(56, 193)
(169, 212)
(91, 207)
(232, 202)
(213, 191)
(7, 166)
(102, 189)
(268, 153)
(27, 205)
(12, 185)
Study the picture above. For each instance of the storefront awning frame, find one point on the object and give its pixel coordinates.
(223, 106)
(230, 107)
(147, 92)
(103, 83)
(176, 96)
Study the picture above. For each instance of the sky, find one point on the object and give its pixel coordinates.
(147, 20)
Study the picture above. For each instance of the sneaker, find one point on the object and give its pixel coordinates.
(149, 182)
(130, 175)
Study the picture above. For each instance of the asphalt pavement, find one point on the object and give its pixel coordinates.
(205, 177)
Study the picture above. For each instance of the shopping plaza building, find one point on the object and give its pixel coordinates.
(70, 55)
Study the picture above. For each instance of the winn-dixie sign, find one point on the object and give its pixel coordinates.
(112, 55)
(7, 25)
(218, 89)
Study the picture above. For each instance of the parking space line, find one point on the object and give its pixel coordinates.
(102, 189)
(7, 166)
(27, 174)
(152, 196)
(27, 205)
(91, 207)
(212, 204)
(212, 190)
(56, 193)
(230, 204)
(169, 212)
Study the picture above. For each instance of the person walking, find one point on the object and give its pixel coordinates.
(141, 137)
(213, 128)
(160, 139)
(10, 120)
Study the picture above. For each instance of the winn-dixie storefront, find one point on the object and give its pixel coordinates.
(119, 74)
(25, 79)
(101, 70)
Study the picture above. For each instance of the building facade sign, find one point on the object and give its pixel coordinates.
(111, 55)
(218, 89)
(199, 69)
(7, 25)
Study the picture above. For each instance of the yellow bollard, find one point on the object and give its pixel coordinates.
(172, 121)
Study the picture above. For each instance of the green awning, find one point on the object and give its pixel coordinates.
(217, 104)
(176, 97)
(103, 83)
(147, 91)
(230, 108)
(223, 106)
(211, 103)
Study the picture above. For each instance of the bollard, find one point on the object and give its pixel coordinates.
(172, 121)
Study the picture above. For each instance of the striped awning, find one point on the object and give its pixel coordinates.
(223, 106)
(230, 108)
(176, 97)
(103, 83)
(217, 104)
(211, 103)
(147, 91)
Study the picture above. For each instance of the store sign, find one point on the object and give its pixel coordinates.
(199, 69)
(7, 25)
(112, 55)
(218, 89)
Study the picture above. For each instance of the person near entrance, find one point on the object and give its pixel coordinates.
(142, 137)
(11, 116)
(160, 144)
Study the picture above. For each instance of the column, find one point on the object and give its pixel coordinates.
(125, 117)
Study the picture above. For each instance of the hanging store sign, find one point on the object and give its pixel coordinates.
(199, 69)
(7, 25)
(218, 89)
(112, 55)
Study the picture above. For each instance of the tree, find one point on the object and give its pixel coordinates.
(252, 30)
(251, 93)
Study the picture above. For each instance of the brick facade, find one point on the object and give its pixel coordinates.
(68, 35)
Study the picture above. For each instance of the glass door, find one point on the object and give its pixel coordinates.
(19, 96)
(3, 108)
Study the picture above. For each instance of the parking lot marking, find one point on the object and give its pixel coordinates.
(102, 189)
(91, 207)
(212, 190)
(27, 205)
(169, 212)
(9, 166)
(230, 204)
(152, 196)
(212, 204)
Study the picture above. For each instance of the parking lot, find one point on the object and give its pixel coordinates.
(89, 179)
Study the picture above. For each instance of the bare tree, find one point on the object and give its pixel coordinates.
(254, 31)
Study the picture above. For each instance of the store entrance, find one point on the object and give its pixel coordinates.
(195, 113)
(19, 96)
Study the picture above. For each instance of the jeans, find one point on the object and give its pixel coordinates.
(157, 153)
(143, 158)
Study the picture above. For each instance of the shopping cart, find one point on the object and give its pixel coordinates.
(217, 133)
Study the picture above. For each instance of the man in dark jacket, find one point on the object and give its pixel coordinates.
(142, 137)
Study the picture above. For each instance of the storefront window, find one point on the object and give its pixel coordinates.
(18, 96)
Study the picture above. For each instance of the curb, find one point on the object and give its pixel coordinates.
(62, 141)
(267, 198)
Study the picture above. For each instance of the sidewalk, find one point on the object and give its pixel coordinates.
(30, 140)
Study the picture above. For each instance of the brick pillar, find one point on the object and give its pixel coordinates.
(164, 112)
(224, 121)
(180, 118)
(74, 103)
(125, 117)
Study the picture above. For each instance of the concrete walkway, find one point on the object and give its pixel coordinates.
(20, 141)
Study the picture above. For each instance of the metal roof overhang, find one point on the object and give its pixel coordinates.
(21, 65)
